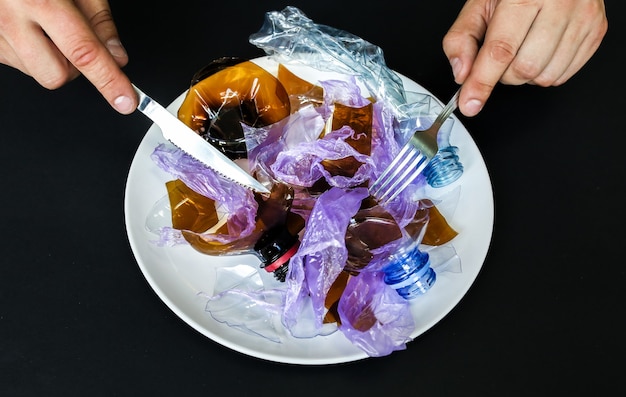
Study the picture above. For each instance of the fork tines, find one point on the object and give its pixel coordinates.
(404, 168)
(412, 159)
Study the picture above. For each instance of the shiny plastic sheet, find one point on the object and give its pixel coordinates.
(322, 253)
(291, 36)
(374, 317)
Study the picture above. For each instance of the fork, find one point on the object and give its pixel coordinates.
(412, 158)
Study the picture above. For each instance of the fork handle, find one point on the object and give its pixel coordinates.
(450, 107)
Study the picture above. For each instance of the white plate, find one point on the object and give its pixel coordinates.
(179, 274)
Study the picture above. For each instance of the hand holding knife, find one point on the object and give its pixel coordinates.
(193, 144)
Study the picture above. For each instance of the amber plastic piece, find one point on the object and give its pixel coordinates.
(274, 209)
(190, 210)
(360, 120)
(346, 166)
(365, 320)
(415, 228)
(301, 92)
(194, 214)
(370, 228)
(227, 92)
(439, 230)
(211, 247)
(264, 96)
(332, 298)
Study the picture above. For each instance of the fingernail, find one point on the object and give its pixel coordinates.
(473, 107)
(456, 67)
(115, 48)
(123, 104)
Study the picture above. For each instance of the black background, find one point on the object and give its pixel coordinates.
(545, 315)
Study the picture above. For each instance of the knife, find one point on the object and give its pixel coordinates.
(194, 145)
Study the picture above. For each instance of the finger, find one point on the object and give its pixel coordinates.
(8, 56)
(98, 13)
(29, 50)
(506, 32)
(74, 37)
(461, 42)
(584, 53)
(559, 70)
(538, 50)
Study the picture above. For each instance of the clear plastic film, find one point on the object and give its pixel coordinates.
(227, 93)
(292, 36)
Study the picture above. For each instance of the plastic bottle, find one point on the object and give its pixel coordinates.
(275, 248)
(409, 271)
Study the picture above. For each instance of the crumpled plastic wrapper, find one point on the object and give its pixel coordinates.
(289, 35)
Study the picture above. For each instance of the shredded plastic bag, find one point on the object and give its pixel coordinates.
(322, 254)
(374, 317)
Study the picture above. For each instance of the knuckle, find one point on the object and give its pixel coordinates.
(104, 79)
(54, 80)
(501, 51)
(593, 8)
(452, 38)
(105, 83)
(524, 70)
(601, 31)
(83, 54)
(86, 57)
(101, 17)
(546, 80)
(481, 90)
(52, 84)
(561, 80)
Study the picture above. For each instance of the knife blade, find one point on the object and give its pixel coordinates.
(186, 139)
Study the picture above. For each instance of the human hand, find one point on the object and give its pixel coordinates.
(55, 41)
(542, 42)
